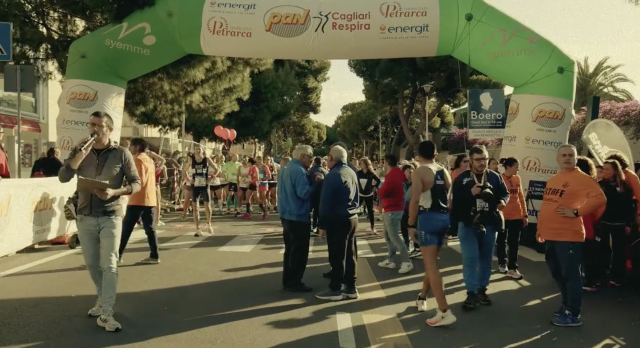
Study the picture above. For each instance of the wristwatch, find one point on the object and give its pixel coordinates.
(575, 212)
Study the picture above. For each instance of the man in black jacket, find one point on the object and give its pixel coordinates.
(315, 198)
(478, 196)
(338, 223)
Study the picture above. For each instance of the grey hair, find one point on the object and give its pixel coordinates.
(338, 153)
(301, 150)
(568, 146)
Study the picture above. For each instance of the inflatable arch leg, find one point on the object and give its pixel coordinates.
(101, 63)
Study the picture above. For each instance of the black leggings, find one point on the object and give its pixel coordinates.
(368, 201)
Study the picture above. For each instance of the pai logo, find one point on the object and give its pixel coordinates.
(548, 115)
(514, 110)
(287, 21)
(82, 97)
(219, 26)
(66, 143)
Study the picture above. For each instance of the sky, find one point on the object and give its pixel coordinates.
(593, 28)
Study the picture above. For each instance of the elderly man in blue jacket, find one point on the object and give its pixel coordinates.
(295, 189)
(338, 223)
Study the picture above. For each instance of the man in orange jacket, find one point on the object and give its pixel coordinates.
(568, 196)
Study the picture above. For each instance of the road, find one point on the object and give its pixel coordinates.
(224, 291)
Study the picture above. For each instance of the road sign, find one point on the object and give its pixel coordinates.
(27, 77)
(6, 42)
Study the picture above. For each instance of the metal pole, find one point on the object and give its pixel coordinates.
(184, 147)
(426, 121)
(19, 88)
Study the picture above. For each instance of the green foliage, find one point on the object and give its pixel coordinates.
(358, 122)
(204, 88)
(603, 80)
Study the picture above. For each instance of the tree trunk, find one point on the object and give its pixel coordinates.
(405, 113)
(268, 147)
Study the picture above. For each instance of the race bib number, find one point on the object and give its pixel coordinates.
(200, 182)
(481, 205)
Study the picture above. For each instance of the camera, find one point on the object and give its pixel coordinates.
(486, 192)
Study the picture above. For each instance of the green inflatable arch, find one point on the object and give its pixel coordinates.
(101, 63)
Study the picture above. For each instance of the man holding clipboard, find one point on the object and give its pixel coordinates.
(102, 167)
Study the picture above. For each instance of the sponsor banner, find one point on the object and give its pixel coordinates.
(32, 211)
(603, 138)
(78, 100)
(321, 29)
(535, 192)
(486, 115)
(536, 127)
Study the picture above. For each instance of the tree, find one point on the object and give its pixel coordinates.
(603, 80)
(625, 115)
(205, 89)
(290, 91)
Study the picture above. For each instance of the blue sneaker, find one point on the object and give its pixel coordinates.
(566, 319)
(560, 311)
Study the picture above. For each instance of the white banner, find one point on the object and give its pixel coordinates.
(356, 29)
(536, 127)
(32, 211)
(78, 100)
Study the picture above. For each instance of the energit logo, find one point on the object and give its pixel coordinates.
(232, 6)
(148, 39)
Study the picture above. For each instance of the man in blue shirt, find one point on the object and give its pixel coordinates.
(338, 223)
(295, 189)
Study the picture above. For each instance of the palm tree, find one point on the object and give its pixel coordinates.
(603, 80)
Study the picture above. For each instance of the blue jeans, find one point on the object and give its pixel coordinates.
(477, 256)
(100, 239)
(392, 236)
(432, 226)
(564, 261)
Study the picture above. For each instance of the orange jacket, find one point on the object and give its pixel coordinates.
(572, 189)
(146, 197)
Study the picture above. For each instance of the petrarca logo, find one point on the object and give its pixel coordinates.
(534, 165)
(125, 30)
(355, 21)
(395, 10)
(218, 26)
(287, 21)
(502, 38)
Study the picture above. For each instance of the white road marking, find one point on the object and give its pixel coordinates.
(242, 243)
(63, 254)
(385, 331)
(364, 249)
(346, 336)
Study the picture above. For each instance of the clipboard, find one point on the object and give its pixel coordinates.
(92, 184)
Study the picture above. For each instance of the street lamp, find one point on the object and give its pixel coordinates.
(427, 89)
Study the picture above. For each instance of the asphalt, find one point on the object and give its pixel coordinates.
(224, 291)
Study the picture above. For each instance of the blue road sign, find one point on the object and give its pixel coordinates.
(6, 42)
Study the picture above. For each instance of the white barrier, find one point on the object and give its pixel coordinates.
(32, 211)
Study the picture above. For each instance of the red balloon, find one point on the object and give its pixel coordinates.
(217, 130)
(233, 134)
(225, 134)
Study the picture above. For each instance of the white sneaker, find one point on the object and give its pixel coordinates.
(405, 267)
(387, 264)
(442, 319)
(96, 311)
(515, 274)
(503, 269)
(422, 304)
(198, 233)
(108, 323)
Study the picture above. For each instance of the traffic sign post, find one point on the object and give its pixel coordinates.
(6, 42)
(19, 78)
